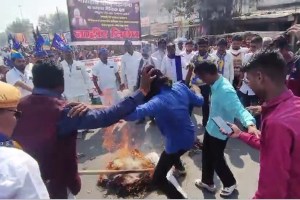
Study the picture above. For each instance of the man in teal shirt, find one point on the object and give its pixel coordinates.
(225, 104)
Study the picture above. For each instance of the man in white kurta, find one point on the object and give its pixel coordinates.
(188, 54)
(160, 53)
(224, 60)
(77, 81)
(105, 78)
(169, 67)
(20, 177)
(130, 63)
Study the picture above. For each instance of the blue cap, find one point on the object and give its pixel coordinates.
(17, 55)
(103, 50)
(40, 54)
(127, 42)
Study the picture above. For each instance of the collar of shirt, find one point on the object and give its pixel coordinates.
(3, 137)
(274, 102)
(18, 71)
(46, 92)
(5, 141)
(217, 83)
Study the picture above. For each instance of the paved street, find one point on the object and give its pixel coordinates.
(242, 160)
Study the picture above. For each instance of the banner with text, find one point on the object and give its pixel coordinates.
(104, 21)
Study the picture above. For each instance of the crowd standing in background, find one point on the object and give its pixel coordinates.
(241, 84)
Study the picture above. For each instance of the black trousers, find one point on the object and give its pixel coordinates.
(160, 181)
(213, 160)
(205, 91)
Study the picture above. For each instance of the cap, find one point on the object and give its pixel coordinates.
(17, 55)
(102, 50)
(9, 96)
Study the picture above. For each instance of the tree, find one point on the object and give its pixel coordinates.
(54, 23)
(19, 26)
(182, 7)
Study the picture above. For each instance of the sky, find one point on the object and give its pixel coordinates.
(31, 9)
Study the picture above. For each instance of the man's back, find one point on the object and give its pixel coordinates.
(171, 112)
(280, 146)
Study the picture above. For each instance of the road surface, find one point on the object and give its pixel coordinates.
(242, 159)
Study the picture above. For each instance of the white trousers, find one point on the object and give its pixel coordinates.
(110, 97)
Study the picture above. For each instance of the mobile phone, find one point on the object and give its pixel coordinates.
(223, 125)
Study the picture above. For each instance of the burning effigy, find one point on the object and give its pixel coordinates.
(132, 176)
(129, 174)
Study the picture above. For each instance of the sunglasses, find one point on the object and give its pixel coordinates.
(17, 113)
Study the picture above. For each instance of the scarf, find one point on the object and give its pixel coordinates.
(221, 63)
(178, 67)
(202, 58)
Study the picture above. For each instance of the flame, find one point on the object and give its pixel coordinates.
(118, 138)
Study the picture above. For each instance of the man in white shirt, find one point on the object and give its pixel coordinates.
(180, 48)
(188, 53)
(246, 94)
(224, 60)
(160, 53)
(174, 67)
(18, 76)
(146, 60)
(20, 177)
(130, 63)
(105, 77)
(238, 54)
(77, 81)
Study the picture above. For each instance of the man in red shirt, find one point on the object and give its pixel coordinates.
(279, 141)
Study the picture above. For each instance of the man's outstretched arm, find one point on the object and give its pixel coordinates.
(100, 118)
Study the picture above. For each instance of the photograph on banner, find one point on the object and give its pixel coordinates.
(104, 20)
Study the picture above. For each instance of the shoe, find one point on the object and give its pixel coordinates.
(201, 185)
(227, 191)
(180, 170)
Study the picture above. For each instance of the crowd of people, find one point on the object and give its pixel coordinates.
(257, 87)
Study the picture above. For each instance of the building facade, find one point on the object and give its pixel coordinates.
(266, 15)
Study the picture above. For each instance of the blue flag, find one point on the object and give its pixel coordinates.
(59, 43)
(39, 40)
(13, 43)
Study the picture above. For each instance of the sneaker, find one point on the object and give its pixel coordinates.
(227, 191)
(201, 185)
(180, 170)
